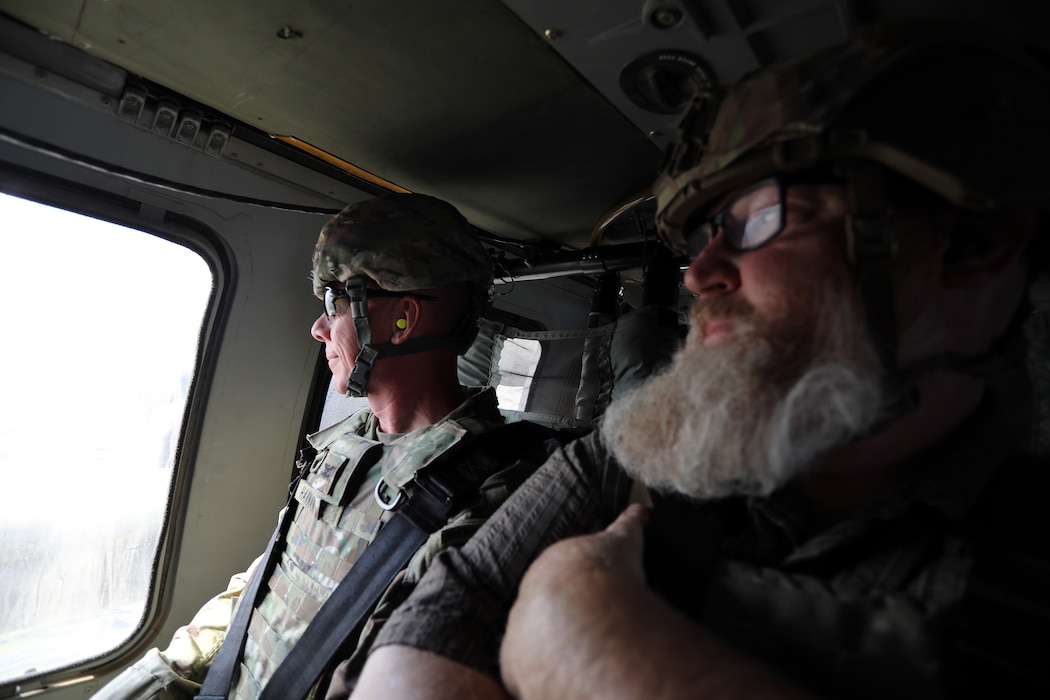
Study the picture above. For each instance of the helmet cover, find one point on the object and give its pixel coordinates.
(952, 108)
(402, 242)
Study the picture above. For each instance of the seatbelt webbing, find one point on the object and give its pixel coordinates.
(340, 616)
(216, 684)
(353, 599)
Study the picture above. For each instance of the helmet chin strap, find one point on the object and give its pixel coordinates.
(872, 247)
(369, 353)
(357, 293)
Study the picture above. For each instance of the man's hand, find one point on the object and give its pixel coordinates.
(403, 672)
(558, 626)
(586, 625)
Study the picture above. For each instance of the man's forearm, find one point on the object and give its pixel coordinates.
(624, 642)
(586, 625)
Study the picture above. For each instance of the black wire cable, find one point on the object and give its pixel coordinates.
(31, 144)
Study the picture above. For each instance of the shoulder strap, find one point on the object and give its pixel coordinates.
(336, 627)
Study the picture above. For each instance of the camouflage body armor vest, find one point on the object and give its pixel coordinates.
(336, 517)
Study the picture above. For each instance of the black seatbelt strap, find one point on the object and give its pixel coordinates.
(217, 683)
(336, 626)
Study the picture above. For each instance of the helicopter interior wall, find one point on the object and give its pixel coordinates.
(250, 416)
(252, 413)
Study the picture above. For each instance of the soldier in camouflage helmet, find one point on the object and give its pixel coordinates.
(396, 246)
(403, 279)
(846, 502)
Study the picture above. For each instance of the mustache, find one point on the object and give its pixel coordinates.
(721, 307)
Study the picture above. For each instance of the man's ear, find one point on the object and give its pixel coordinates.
(407, 317)
(982, 246)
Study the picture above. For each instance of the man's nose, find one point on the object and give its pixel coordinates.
(320, 330)
(714, 271)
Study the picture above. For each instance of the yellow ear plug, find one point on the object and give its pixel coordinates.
(401, 324)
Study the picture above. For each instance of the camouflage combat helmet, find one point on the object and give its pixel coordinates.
(958, 112)
(403, 243)
(955, 110)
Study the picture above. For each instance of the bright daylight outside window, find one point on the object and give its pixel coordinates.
(100, 326)
(517, 364)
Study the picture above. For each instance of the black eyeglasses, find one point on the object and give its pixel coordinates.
(334, 296)
(752, 218)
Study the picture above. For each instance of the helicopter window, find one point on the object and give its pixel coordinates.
(101, 329)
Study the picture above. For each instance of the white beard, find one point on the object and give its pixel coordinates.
(746, 415)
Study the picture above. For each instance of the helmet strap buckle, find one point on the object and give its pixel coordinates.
(358, 381)
(356, 384)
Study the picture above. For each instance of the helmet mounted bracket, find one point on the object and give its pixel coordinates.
(871, 248)
(367, 355)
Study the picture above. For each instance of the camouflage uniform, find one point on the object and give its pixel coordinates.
(336, 517)
(403, 243)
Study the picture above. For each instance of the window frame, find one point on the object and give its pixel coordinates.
(205, 242)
